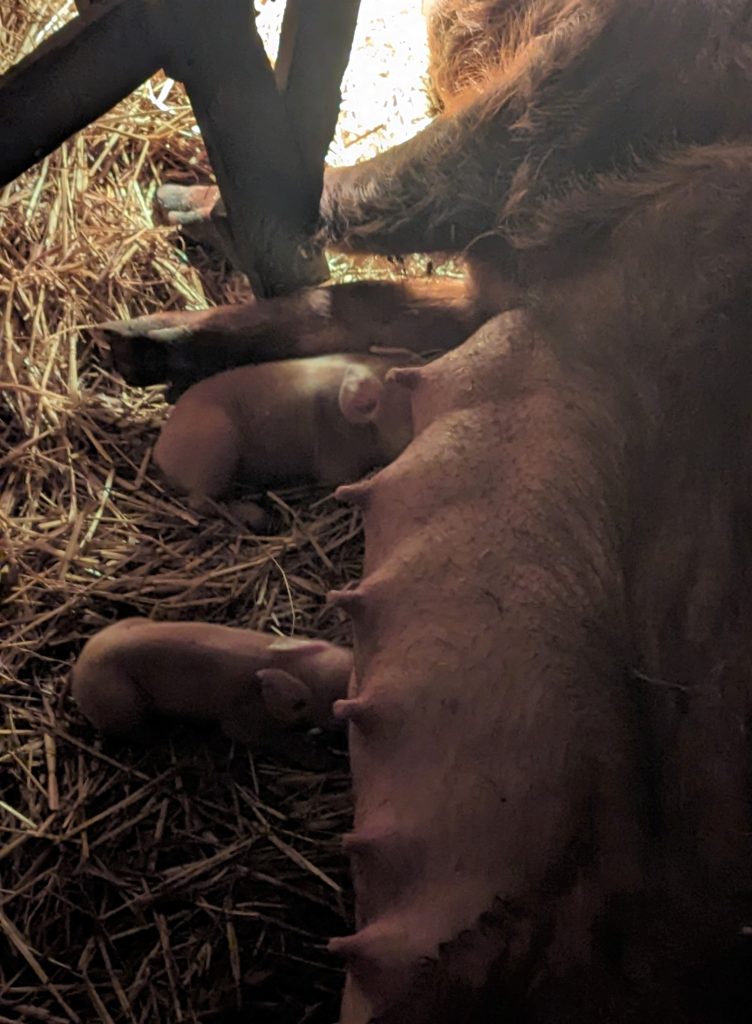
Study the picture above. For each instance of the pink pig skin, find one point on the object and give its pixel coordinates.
(256, 686)
(326, 420)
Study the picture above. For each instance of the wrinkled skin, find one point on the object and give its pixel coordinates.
(489, 761)
(551, 696)
(324, 420)
(256, 686)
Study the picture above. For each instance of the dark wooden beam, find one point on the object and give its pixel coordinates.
(71, 79)
(266, 146)
(314, 49)
(216, 51)
(313, 53)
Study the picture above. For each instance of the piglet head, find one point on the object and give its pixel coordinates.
(365, 398)
(303, 679)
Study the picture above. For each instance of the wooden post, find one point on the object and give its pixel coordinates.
(314, 49)
(266, 147)
(216, 51)
(313, 53)
(72, 78)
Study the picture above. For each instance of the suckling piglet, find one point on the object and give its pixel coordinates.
(258, 687)
(327, 419)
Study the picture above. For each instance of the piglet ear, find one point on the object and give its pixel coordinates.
(360, 394)
(286, 697)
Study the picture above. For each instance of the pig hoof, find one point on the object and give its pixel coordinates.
(200, 214)
(140, 350)
(174, 203)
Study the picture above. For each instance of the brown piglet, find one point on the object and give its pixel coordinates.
(327, 419)
(259, 688)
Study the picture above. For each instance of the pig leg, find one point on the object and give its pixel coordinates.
(463, 46)
(187, 205)
(185, 347)
(408, 200)
(573, 101)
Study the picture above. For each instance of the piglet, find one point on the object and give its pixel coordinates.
(259, 688)
(327, 419)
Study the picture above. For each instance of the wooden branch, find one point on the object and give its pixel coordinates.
(74, 77)
(314, 49)
(216, 51)
(267, 150)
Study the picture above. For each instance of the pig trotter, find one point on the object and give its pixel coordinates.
(162, 347)
(145, 362)
(199, 212)
(176, 204)
(185, 347)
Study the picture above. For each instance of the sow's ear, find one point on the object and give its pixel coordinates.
(359, 394)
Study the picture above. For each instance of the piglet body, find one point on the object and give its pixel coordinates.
(256, 686)
(327, 420)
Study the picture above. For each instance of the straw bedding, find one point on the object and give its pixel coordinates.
(190, 881)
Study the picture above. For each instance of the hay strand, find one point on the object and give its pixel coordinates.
(190, 881)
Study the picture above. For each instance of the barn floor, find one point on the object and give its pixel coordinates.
(189, 881)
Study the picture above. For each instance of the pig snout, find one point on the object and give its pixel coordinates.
(324, 668)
